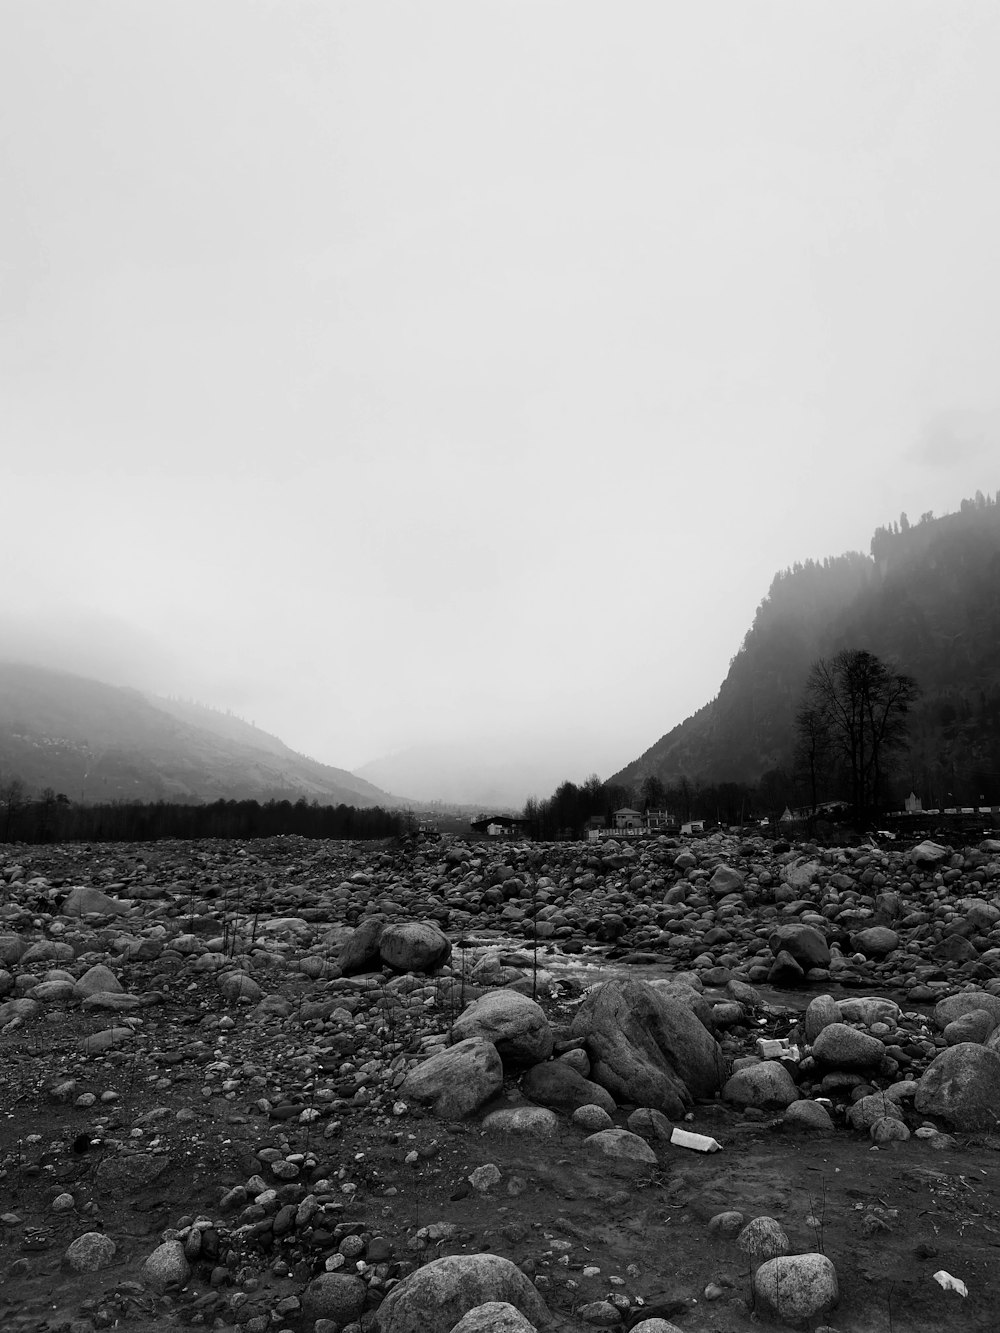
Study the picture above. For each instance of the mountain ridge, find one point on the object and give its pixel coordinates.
(95, 741)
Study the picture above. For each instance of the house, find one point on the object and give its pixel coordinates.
(693, 826)
(913, 805)
(626, 818)
(501, 826)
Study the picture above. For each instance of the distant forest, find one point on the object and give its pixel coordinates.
(52, 817)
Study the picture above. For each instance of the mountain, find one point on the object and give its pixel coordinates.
(927, 600)
(108, 743)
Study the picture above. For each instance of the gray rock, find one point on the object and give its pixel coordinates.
(524, 1121)
(928, 853)
(85, 900)
(434, 1298)
(962, 1086)
(620, 1148)
(361, 952)
(725, 880)
(648, 1048)
(841, 1047)
(863, 1113)
(650, 1124)
(767, 1084)
(515, 1024)
(90, 1252)
(797, 1287)
(414, 946)
(558, 1085)
(98, 978)
(762, 1238)
(167, 1266)
(810, 1116)
(954, 1006)
(592, 1118)
(820, 1013)
(807, 945)
(976, 1026)
(457, 1081)
(336, 1296)
(875, 941)
(494, 1317)
(869, 1009)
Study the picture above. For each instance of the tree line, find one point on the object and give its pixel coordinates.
(53, 817)
(851, 724)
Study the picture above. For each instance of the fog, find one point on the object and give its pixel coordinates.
(461, 374)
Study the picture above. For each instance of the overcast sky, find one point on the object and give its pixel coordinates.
(395, 372)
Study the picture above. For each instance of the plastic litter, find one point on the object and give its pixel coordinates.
(950, 1283)
(776, 1048)
(683, 1138)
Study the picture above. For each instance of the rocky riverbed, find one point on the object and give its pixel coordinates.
(301, 1086)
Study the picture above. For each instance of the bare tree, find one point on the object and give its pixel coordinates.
(862, 705)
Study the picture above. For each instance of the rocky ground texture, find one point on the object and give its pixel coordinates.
(324, 1087)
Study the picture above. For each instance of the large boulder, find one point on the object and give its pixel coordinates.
(954, 1006)
(841, 1047)
(558, 1085)
(85, 900)
(621, 1150)
(360, 952)
(797, 1287)
(767, 1084)
(414, 946)
(962, 1086)
(648, 1048)
(456, 1081)
(494, 1317)
(514, 1023)
(726, 880)
(806, 944)
(929, 854)
(336, 1296)
(434, 1298)
(875, 941)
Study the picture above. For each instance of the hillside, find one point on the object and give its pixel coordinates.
(102, 742)
(927, 598)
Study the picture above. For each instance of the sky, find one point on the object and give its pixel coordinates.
(463, 372)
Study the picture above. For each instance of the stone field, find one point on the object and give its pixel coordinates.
(318, 1087)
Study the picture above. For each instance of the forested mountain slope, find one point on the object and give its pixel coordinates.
(927, 599)
(103, 743)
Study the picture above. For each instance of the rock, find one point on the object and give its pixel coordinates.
(841, 1047)
(954, 1006)
(336, 1296)
(785, 971)
(869, 1009)
(650, 1124)
(928, 853)
(725, 880)
(515, 1024)
(592, 1118)
(802, 874)
(820, 1013)
(767, 1084)
(167, 1266)
(558, 1085)
(648, 1048)
(98, 979)
(620, 1148)
(806, 944)
(414, 946)
(435, 1297)
(361, 952)
(728, 1224)
(525, 1121)
(864, 1113)
(456, 1081)
(875, 941)
(797, 1287)
(85, 900)
(975, 1026)
(962, 1086)
(494, 1317)
(888, 1130)
(90, 1252)
(763, 1238)
(655, 1326)
(809, 1115)
(599, 1314)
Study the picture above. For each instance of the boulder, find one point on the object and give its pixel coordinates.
(806, 944)
(820, 1013)
(494, 1317)
(85, 900)
(434, 1298)
(515, 1024)
(975, 1026)
(767, 1084)
(336, 1296)
(809, 1116)
(725, 880)
(928, 854)
(90, 1252)
(875, 941)
(622, 1149)
(414, 946)
(457, 1081)
(797, 1287)
(841, 1047)
(360, 953)
(167, 1266)
(648, 1048)
(962, 1086)
(954, 1006)
(559, 1085)
(98, 979)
